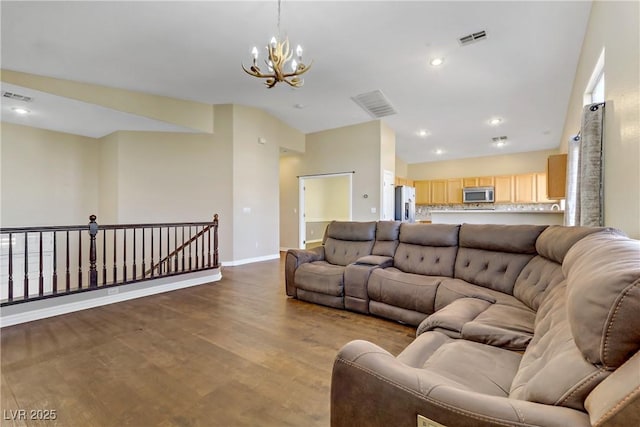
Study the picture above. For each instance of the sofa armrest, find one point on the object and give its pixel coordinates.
(371, 387)
(295, 258)
(376, 260)
(615, 402)
(451, 318)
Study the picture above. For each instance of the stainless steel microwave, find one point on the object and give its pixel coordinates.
(478, 195)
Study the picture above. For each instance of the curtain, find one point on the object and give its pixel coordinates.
(584, 196)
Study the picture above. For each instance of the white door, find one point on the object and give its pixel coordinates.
(388, 196)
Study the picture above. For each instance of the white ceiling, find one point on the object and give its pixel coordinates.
(523, 72)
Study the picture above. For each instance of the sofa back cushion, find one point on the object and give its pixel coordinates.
(552, 370)
(539, 275)
(556, 240)
(603, 306)
(387, 233)
(586, 326)
(545, 271)
(428, 249)
(494, 255)
(345, 242)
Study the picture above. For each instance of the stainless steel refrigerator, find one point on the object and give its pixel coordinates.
(405, 203)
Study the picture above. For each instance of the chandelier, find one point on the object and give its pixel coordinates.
(281, 65)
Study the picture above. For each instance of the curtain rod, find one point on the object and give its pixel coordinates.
(324, 174)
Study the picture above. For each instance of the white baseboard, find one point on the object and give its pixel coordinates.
(35, 310)
(250, 260)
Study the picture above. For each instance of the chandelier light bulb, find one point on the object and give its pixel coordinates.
(280, 55)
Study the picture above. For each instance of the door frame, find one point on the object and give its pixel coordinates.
(302, 229)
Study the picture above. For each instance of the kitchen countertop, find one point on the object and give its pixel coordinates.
(529, 211)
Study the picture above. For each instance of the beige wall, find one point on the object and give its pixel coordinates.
(351, 148)
(255, 183)
(190, 114)
(48, 178)
(614, 26)
(402, 168)
(327, 199)
(289, 203)
(533, 161)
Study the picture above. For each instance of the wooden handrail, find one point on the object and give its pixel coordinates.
(184, 245)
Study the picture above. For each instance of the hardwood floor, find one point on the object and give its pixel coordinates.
(237, 352)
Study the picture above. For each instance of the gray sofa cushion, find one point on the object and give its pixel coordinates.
(409, 291)
(519, 239)
(345, 242)
(536, 277)
(429, 234)
(387, 233)
(426, 260)
(556, 240)
(493, 270)
(321, 277)
(603, 281)
(553, 370)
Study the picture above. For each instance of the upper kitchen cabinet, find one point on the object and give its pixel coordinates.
(483, 181)
(503, 189)
(556, 176)
(423, 192)
(439, 191)
(454, 190)
(541, 189)
(525, 188)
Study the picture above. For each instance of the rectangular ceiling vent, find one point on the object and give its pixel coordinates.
(17, 96)
(472, 38)
(375, 103)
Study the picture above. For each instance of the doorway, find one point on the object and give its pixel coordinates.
(323, 198)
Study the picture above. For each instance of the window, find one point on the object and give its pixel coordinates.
(594, 92)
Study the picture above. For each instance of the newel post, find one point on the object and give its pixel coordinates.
(93, 272)
(216, 264)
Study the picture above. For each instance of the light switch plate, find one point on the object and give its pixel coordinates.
(426, 422)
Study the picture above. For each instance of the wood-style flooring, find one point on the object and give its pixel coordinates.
(237, 352)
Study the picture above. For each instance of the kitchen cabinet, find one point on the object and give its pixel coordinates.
(556, 176)
(541, 189)
(454, 190)
(423, 192)
(404, 181)
(469, 182)
(483, 181)
(486, 181)
(439, 191)
(525, 188)
(503, 189)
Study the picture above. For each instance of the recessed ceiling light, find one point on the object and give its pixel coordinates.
(495, 121)
(500, 144)
(436, 62)
(20, 110)
(423, 133)
(439, 151)
(299, 106)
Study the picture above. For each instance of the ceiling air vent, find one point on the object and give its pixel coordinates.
(472, 38)
(17, 96)
(375, 103)
(499, 138)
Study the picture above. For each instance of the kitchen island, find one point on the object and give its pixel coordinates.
(490, 216)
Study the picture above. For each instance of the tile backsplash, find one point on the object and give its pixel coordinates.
(423, 212)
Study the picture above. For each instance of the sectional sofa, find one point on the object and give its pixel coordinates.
(516, 325)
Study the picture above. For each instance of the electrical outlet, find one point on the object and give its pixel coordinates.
(426, 422)
(113, 291)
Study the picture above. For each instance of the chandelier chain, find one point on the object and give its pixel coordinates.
(279, 35)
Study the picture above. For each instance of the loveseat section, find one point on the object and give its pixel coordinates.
(425, 255)
(318, 275)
